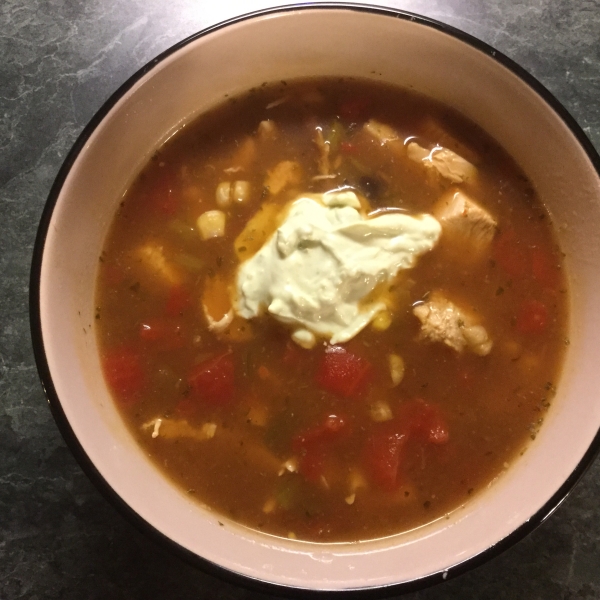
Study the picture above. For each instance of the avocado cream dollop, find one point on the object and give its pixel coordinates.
(327, 256)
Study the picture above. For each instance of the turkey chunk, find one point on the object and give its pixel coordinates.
(443, 321)
(153, 260)
(463, 219)
(324, 149)
(284, 174)
(267, 130)
(179, 428)
(447, 163)
(380, 132)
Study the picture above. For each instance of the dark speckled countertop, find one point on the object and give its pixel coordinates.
(61, 59)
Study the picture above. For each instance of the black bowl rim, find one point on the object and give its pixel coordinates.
(54, 402)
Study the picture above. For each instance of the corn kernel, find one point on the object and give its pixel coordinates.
(223, 194)
(380, 411)
(396, 368)
(240, 191)
(382, 321)
(211, 224)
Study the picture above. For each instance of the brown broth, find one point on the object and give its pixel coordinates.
(152, 331)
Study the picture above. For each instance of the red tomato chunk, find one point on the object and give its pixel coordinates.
(343, 373)
(383, 455)
(423, 421)
(213, 380)
(179, 299)
(313, 445)
(521, 262)
(532, 317)
(124, 374)
(416, 421)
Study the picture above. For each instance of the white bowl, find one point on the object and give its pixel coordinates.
(357, 41)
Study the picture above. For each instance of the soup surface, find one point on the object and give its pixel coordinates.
(332, 310)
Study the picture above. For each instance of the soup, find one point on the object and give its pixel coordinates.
(332, 310)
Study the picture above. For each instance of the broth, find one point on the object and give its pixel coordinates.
(378, 434)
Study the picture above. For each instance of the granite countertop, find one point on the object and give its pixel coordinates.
(59, 538)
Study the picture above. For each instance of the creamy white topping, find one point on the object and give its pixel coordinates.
(317, 268)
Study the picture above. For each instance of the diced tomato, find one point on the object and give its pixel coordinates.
(124, 374)
(334, 424)
(510, 255)
(416, 421)
(355, 109)
(519, 261)
(544, 268)
(329, 429)
(532, 317)
(423, 421)
(435, 429)
(311, 464)
(163, 196)
(313, 445)
(213, 380)
(151, 332)
(343, 373)
(178, 300)
(162, 332)
(383, 456)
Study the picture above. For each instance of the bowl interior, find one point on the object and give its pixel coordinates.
(305, 43)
